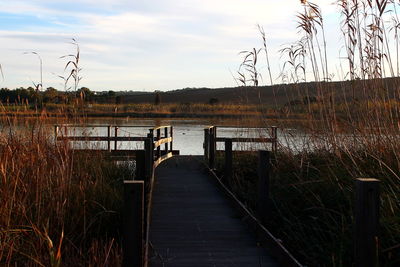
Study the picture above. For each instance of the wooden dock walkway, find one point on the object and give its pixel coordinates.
(193, 224)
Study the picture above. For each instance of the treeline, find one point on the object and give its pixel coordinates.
(30, 95)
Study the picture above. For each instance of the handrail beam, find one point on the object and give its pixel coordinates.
(100, 138)
(245, 140)
(162, 141)
(161, 127)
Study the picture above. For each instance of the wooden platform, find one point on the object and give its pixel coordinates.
(194, 225)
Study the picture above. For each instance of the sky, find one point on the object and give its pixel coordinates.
(146, 45)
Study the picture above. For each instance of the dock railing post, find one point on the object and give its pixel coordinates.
(148, 147)
(65, 133)
(213, 131)
(140, 165)
(115, 135)
(55, 134)
(172, 138)
(366, 226)
(108, 138)
(158, 138)
(206, 143)
(263, 186)
(228, 172)
(133, 215)
(274, 135)
(166, 136)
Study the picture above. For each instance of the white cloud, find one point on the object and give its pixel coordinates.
(122, 23)
(143, 44)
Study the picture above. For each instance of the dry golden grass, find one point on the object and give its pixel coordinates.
(57, 208)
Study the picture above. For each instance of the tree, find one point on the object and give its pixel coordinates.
(157, 99)
(85, 94)
(213, 101)
(50, 95)
(118, 100)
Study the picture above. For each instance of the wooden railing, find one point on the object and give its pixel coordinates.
(135, 252)
(211, 139)
(138, 193)
(62, 133)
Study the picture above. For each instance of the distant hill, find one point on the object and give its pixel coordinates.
(279, 94)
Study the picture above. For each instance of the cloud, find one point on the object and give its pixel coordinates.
(122, 23)
(142, 44)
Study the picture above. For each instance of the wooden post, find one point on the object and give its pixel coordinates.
(228, 172)
(133, 215)
(366, 226)
(172, 136)
(274, 134)
(140, 165)
(212, 151)
(263, 186)
(158, 138)
(109, 136)
(55, 133)
(206, 144)
(66, 134)
(148, 147)
(151, 133)
(166, 136)
(115, 135)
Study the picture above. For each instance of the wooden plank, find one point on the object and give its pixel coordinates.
(133, 213)
(366, 240)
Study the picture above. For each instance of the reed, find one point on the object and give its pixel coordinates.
(58, 208)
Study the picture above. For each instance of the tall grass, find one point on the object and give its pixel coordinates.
(350, 132)
(57, 207)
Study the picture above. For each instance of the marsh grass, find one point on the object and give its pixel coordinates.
(350, 132)
(57, 207)
(61, 110)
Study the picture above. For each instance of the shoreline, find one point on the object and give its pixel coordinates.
(137, 115)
